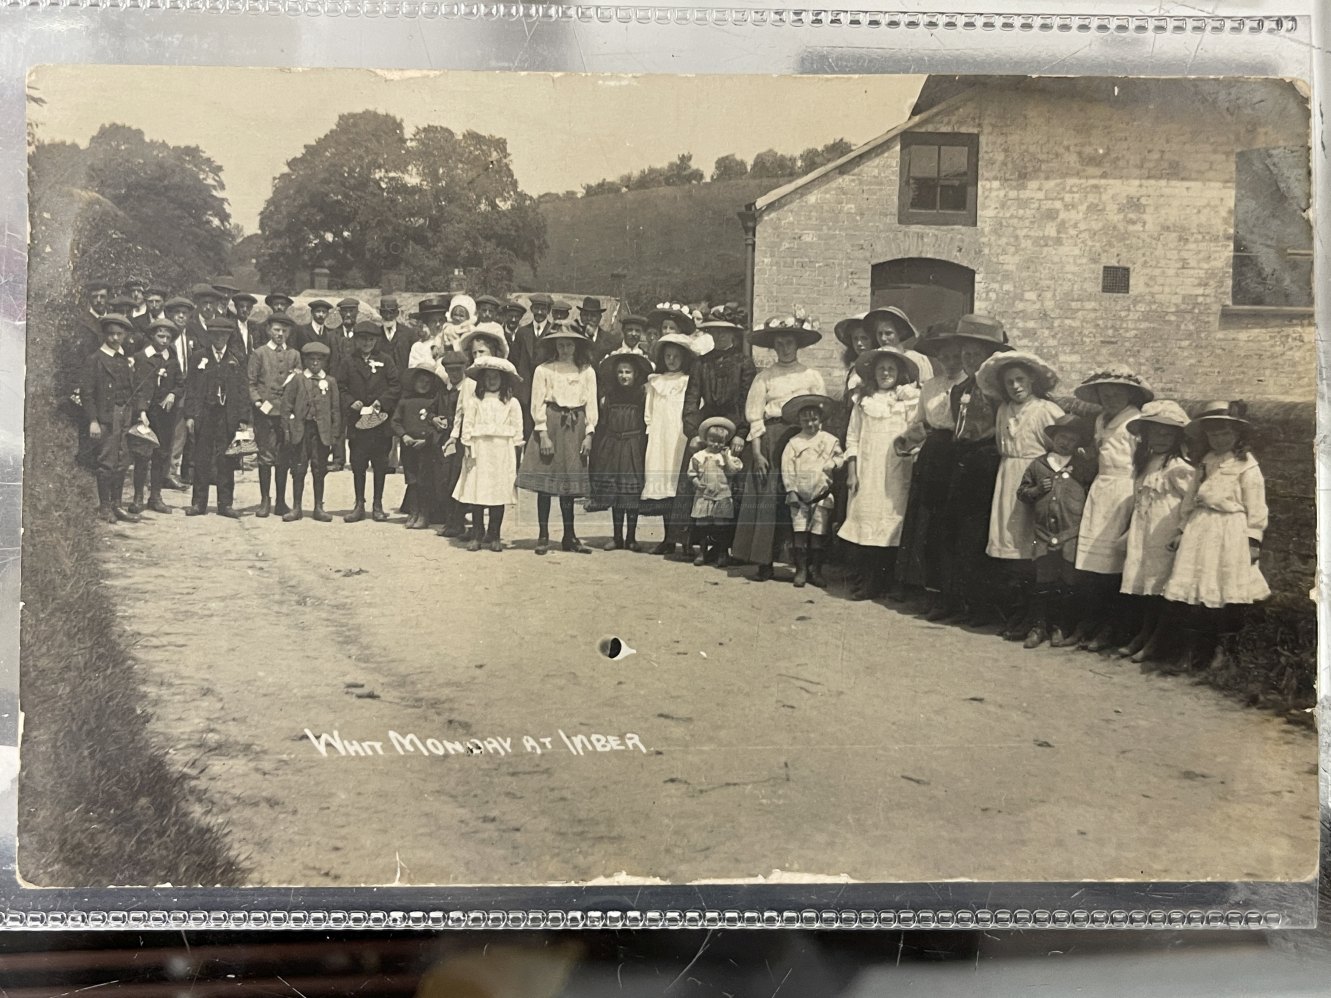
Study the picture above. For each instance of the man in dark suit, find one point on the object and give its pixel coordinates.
(278, 302)
(249, 335)
(183, 345)
(399, 334)
(316, 330)
(370, 389)
(604, 342)
(207, 305)
(134, 339)
(159, 379)
(523, 352)
(217, 404)
(154, 300)
(110, 406)
(81, 341)
(487, 309)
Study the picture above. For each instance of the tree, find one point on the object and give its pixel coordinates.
(814, 158)
(159, 209)
(681, 172)
(770, 164)
(729, 167)
(366, 197)
(602, 187)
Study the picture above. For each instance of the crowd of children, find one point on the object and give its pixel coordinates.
(957, 484)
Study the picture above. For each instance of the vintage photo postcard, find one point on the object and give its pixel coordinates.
(542, 479)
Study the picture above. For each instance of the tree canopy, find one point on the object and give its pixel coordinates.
(159, 209)
(767, 165)
(368, 198)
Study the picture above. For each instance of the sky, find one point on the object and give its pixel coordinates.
(563, 130)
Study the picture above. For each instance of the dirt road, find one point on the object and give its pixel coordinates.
(774, 728)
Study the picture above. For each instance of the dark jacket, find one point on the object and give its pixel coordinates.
(1057, 513)
(368, 381)
(400, 347)
(108, 382)
(157, 377)
(411, 417)
(256, 335)
(215, 388)
(302, 401)
(718, 386)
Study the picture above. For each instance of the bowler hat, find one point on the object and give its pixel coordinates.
(274, 297)
(790, 412)
(388, 302)
(591, 305)
(314, 346)
(435, 305)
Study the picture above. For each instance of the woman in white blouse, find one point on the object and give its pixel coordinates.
(564, 414)
(763, 513)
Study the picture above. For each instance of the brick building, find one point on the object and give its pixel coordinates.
(1158, 223)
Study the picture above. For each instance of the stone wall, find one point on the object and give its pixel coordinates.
(1073, 176)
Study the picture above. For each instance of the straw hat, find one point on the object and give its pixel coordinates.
(672, 310)
(899, 319)
(492, 331)
(680, 340)
(865, 364)
(712, 421)
(804, 329)
(141, 439)
(977, 329)
(1067, 421)
(990, 375)
(1232, 413)
(1086, 391)
(483, 364)
(429, 367)
(846, 327)
(639, 361)
(790, 412)
(1162, 411)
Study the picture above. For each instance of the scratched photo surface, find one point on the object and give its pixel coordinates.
(517, 479)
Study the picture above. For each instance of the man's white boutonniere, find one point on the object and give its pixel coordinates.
(203, 362)
(374, 365)
(323, 385)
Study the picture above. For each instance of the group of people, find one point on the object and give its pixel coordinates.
(947, 472)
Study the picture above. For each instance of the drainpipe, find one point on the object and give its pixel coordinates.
(748, 218)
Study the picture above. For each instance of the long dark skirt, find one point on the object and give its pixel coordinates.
(923, 534)
(764, 518)
(966, 569)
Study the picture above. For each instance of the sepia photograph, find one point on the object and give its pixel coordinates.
(529, 479)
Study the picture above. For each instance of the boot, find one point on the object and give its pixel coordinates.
(1103, 640)
(764, 573)
(137, 504)
(475, 543)
(816, 550)
(280, 507)
(230, 512)
(1154, 648)
(1188, 654)
(799, 550)
(422, 522)
(664, 548)
(1140, 639)
(378, 515)
(155, 502)
(294, 513)
(866, 576)
(944, 608)
(104, 502)
(1039, 630)
(357, 513)
(265, 508)
(319, 513)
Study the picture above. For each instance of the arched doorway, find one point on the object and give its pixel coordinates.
(927, 290)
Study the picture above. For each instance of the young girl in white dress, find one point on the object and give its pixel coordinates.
(664, 417)
(1102, 540)
(877, 476)
(1221, 525)
(1021, 381)
(491, 436)
(1162, 478)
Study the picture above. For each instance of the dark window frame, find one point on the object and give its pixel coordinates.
(906, 215)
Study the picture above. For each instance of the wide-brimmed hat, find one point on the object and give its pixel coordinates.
(978, 329)
(672, 310)
(1163, 412)
(110, 319)
(907, 334)
(606, 369)
(489, 330)
(712, 421)
(430, 368)
(676, 340)
(320, 303)
(907, 369)
(804, 330)
(369, 419)
(273, 297)
(483, 364)
(1086, 391)
(177, 302)
(1219, 412)
(989, 376)
(545, 345)
(141, 439)
(432, 306)
(1067, 422)
(790, 412)
(843, 329)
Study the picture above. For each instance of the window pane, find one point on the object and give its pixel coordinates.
(923, 195)
(951, 197)
(953, 162)
(924, 161)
